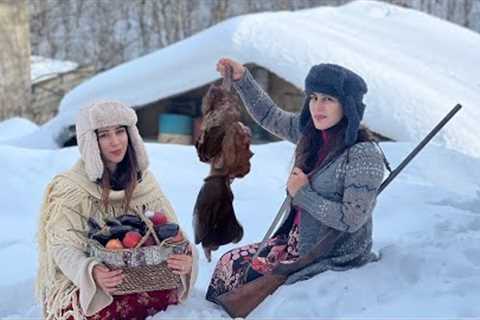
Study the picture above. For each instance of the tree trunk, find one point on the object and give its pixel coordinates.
(15, 76)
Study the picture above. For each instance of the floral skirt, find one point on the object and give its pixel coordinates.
(136, 306)
(232, 266)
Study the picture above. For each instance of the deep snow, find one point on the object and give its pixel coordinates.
(427, 226)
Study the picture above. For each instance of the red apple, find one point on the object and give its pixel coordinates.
(159, 218)
(131, 239)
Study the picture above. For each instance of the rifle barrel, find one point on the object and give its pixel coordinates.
(419, 147)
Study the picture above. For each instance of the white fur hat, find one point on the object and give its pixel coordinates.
(105, 114)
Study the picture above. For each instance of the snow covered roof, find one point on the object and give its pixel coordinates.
(417, 66)
(44, 68)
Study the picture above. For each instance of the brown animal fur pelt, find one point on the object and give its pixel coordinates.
(214, 218)
(224, 143)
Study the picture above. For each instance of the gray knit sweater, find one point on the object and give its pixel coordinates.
(341, 195)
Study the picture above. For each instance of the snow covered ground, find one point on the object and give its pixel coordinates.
(427, 226)
(16, 127)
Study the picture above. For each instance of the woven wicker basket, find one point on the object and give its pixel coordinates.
(145, 268)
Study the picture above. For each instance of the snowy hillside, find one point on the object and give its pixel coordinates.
(426, 224)
(417, 67)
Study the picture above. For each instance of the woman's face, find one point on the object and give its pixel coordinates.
(113, 142)
(326, 111)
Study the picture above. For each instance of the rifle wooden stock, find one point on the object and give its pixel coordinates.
(242, 300)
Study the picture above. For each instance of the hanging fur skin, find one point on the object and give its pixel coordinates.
(224, 143)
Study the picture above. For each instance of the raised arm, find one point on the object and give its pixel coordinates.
(264, 111)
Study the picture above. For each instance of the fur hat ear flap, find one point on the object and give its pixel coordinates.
(353, 120)
(139, 147)
(91, 154)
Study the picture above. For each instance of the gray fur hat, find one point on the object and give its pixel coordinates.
(105, 114)
(343, 84)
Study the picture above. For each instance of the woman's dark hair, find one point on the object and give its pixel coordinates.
(125, 177)
(306, 152)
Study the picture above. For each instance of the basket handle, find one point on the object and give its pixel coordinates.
(150, 231)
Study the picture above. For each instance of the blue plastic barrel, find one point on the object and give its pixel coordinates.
(174, 128)
(173, 123)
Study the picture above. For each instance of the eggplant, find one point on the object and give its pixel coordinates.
(166, 230)
(102, 236)
(93, 224)
(91, 233)
(131, 220)
(119, 232)
(134, 221)
(93, 227)
(112, 222)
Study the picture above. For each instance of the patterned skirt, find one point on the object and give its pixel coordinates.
(136, 306)
(232, 266)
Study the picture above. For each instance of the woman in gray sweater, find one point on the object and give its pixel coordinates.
(333, 184)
